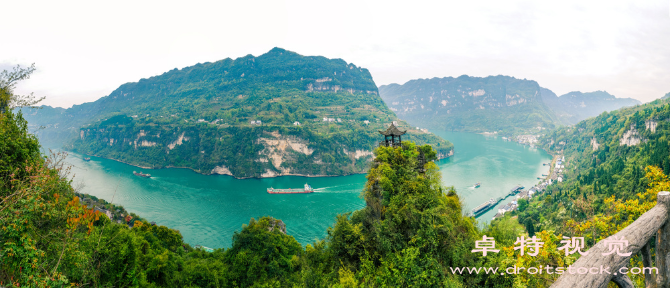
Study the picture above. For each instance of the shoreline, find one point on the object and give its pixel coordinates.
(214, 174)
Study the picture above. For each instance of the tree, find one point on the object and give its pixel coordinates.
(18, 149)
(523, 204)
(8, 81)
(529, 227)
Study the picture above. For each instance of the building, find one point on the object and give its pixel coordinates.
(392, 136)
(106, 212)
(296, 123)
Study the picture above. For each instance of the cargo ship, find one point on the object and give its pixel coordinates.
(306, 189)
(142, 174)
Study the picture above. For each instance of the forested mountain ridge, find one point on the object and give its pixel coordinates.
(577, 106)
(495, 103)
(615, 164)
(280, 113)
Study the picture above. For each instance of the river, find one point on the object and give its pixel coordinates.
(208, 209)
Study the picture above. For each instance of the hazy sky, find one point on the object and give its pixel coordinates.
(84, 50)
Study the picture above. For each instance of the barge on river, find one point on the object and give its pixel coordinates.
(306, 189)
(142, 174)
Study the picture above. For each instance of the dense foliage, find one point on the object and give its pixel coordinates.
(18, 149)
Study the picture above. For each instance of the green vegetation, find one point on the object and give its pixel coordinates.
(232, 114)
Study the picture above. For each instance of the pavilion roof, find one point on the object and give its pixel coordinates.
(392, 130)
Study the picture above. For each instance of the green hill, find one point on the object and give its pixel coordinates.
(280, 113)
(495, 103)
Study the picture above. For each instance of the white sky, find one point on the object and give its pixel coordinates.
(84, 50)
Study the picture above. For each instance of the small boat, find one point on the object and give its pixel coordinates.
(477, 185)
(307, 189)
(142, 174)
(87, 159)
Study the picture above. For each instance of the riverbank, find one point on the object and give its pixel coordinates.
(212, 174)
(264, 175)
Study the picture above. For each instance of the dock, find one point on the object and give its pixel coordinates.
(486, 206)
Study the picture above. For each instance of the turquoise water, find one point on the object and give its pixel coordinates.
(497, 164)
(208, 209)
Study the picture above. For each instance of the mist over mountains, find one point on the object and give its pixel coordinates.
(495, 103)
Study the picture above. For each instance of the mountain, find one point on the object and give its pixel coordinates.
(577, 106)
(494, 103)
(280, 113)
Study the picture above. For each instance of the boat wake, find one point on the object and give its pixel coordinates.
(336, 190)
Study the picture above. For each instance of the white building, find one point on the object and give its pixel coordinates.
(296, 123)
